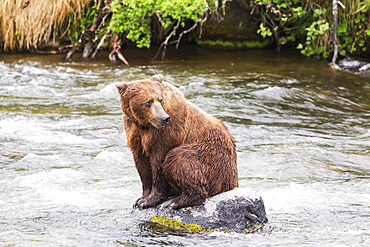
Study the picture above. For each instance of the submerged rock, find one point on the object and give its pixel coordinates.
(355, 65)
(239, 210)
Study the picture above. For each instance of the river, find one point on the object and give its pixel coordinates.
(67, 177)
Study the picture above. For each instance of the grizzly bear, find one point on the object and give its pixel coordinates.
(179, 150)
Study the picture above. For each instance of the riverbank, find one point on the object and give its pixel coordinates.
(318, 28)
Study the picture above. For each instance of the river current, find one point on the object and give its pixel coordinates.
(67, 177)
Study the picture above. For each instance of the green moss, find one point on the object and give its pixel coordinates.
(230, 29)
(235, 44)
(177, 225)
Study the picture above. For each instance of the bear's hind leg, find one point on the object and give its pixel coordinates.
(185, 173)
(187, 200)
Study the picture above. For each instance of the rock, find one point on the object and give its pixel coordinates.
(358, 66)
(239, 210)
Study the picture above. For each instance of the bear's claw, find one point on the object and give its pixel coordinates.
(138, 203)
(147, 202)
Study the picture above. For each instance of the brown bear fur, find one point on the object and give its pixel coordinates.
(179, 150)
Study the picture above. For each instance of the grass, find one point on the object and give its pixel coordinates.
(25, 24)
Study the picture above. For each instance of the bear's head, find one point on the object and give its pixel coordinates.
(142, 102)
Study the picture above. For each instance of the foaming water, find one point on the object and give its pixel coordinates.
(68, 179)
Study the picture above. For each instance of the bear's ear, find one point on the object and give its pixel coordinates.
(121, 88)
(158, 78)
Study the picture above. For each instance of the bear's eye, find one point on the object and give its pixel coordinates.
(161, 101)
(148, 104)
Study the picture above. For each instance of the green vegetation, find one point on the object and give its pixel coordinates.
(137, 16)
(77, 24)
(308, 25)
(220, 44)
(305, 25)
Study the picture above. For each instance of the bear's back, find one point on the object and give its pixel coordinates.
(189, 118)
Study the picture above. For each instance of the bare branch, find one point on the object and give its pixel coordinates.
(162, 49)
(185, 32)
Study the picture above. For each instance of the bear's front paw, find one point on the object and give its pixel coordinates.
(150, 201)
(138, 203)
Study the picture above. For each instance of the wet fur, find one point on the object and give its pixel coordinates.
(192, 158)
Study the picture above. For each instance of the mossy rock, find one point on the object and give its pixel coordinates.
(163, 222)
(239, 210)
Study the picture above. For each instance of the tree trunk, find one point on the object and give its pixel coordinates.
(335, 32)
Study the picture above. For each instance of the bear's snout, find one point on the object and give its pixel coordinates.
(159, 117)
(165, 119)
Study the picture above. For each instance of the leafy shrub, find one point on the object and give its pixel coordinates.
(308, 24)
(136, 18)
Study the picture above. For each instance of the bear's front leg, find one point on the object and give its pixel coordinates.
(159, 192)
(142, 163)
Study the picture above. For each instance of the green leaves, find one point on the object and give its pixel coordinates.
(264, 31)
(309, 24)
(135, 16)
(318, 12)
